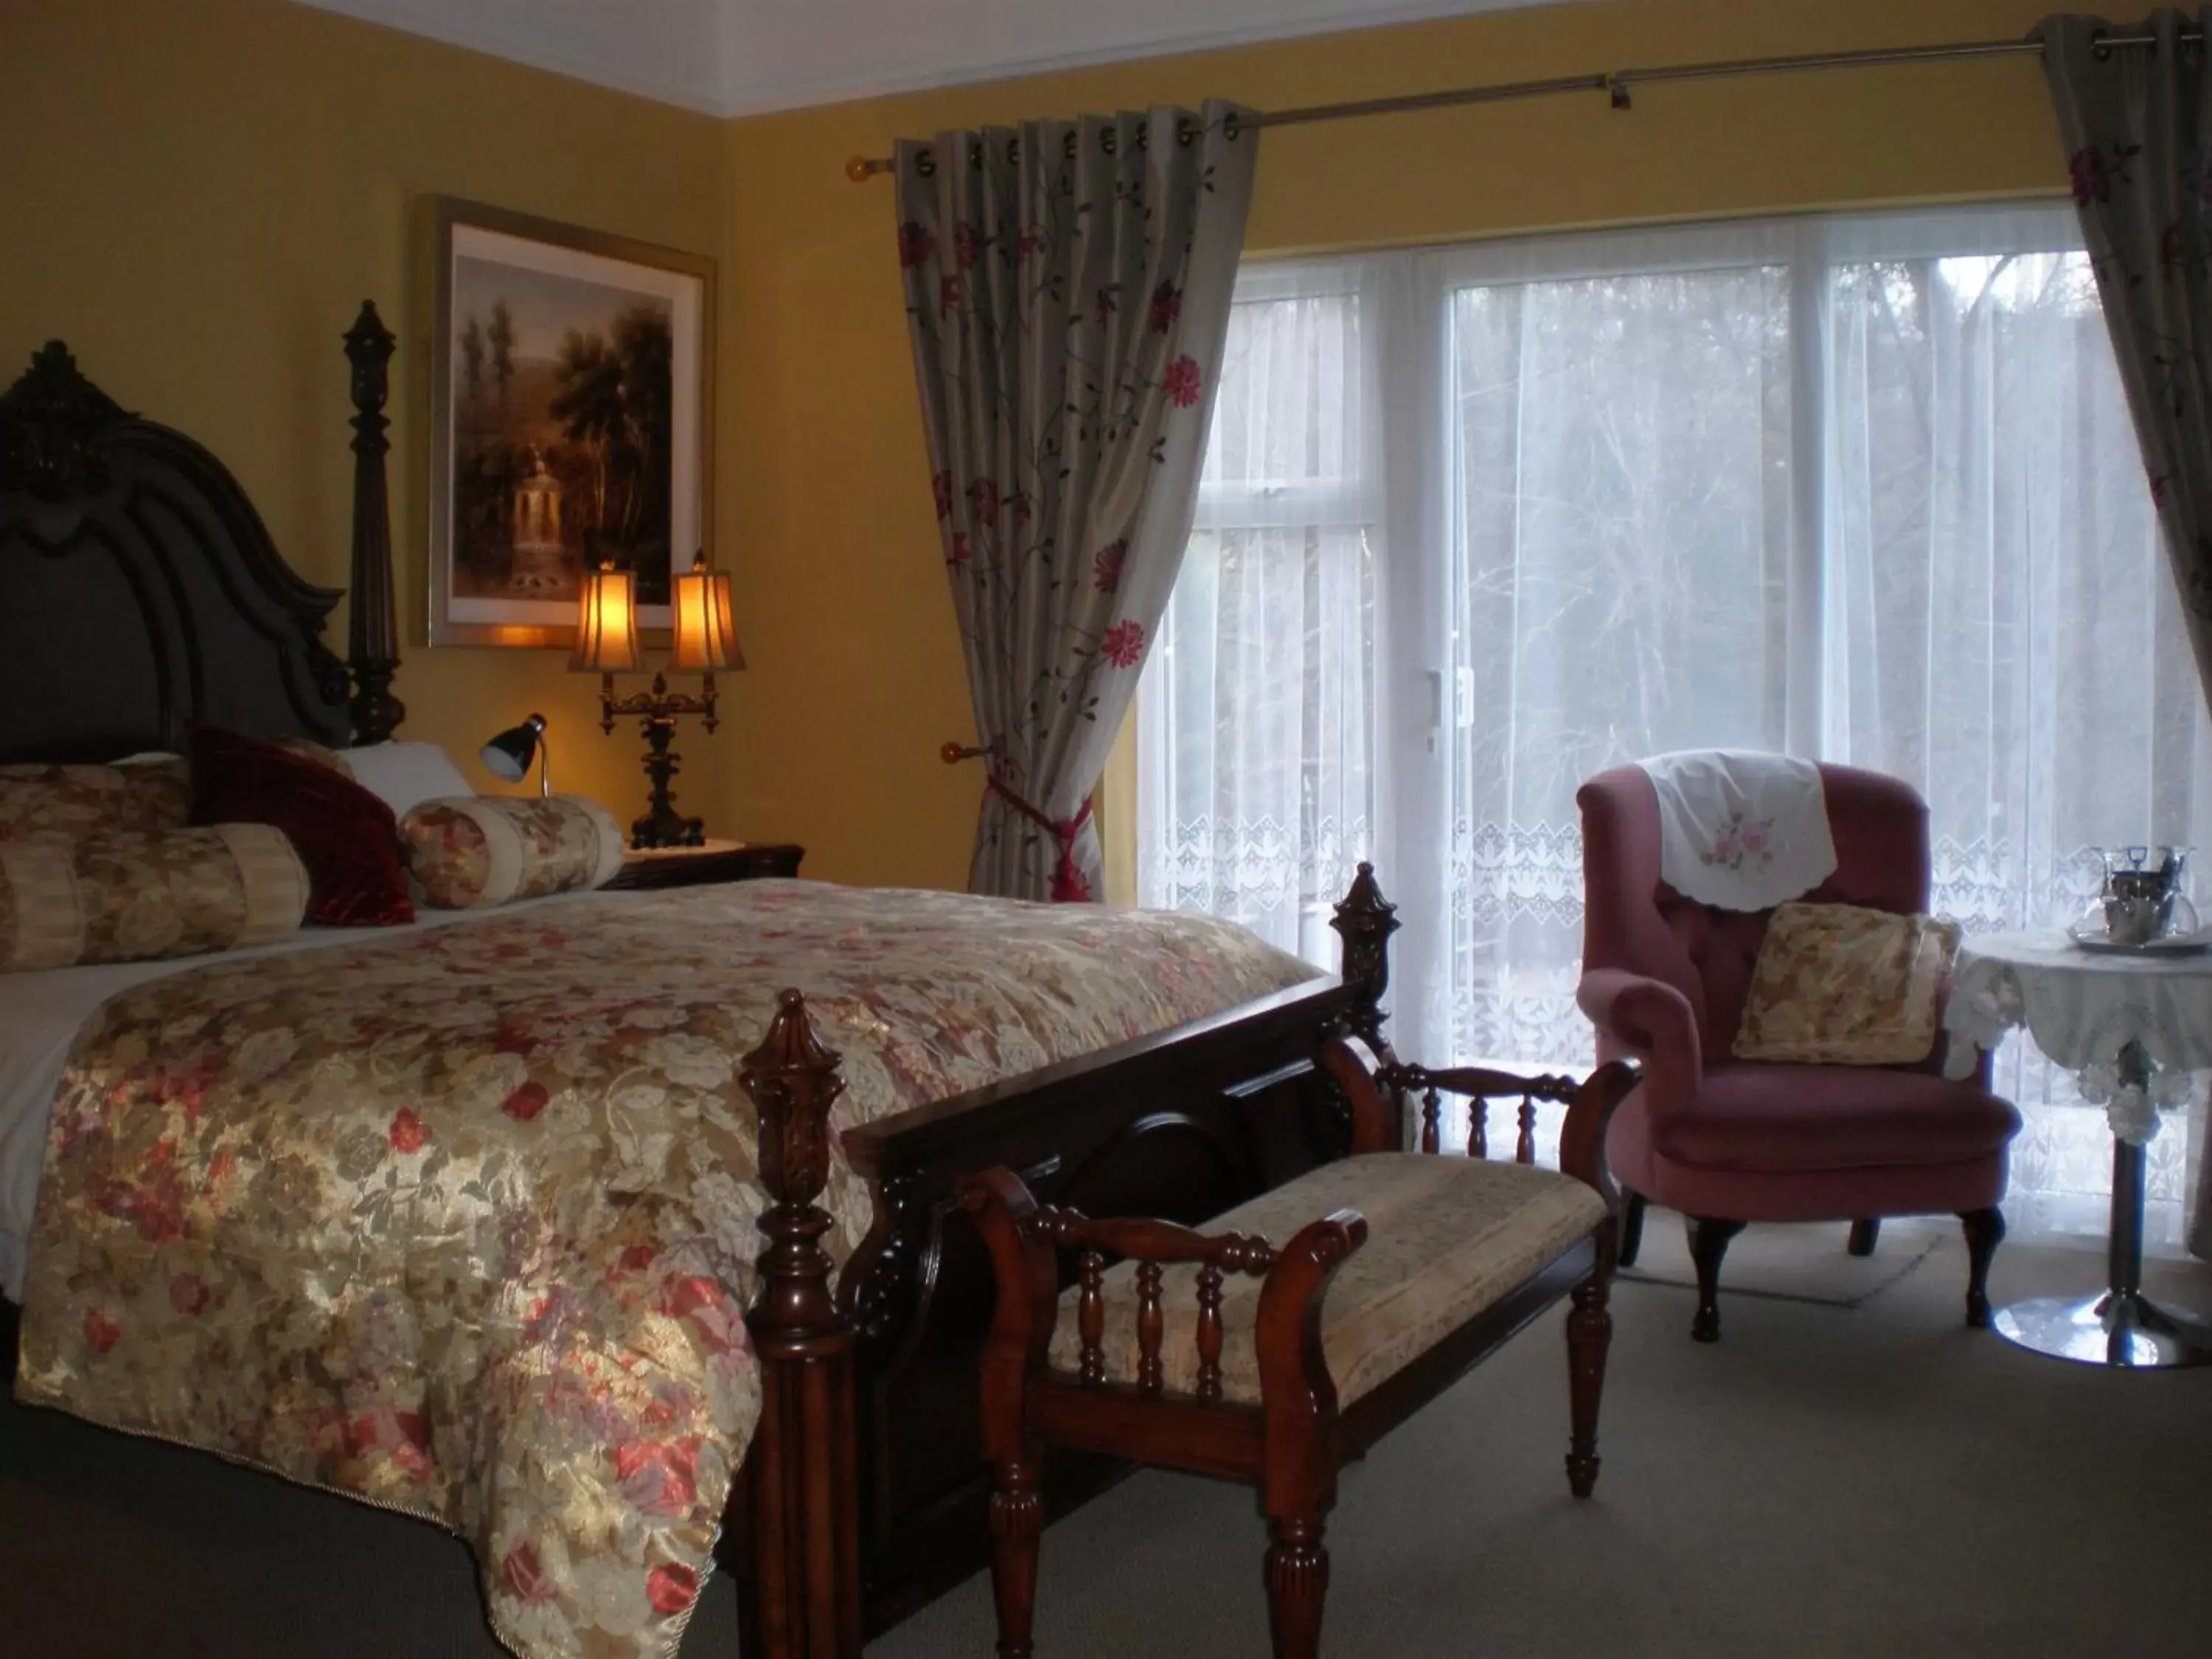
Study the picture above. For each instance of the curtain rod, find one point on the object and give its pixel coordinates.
(1618, 85)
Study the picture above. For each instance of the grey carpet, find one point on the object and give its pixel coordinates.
(1803, 1262)
(1873, 1482)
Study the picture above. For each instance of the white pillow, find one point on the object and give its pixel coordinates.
(403, 776)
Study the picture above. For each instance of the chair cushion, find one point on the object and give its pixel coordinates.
(1839, 984)
(1763, 1117)
(1447, 1237)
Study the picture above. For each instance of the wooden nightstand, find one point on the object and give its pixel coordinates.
(696, 867)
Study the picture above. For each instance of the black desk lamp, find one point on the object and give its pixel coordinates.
(507, 756)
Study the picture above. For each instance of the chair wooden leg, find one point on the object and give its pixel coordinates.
(1632, 1227)
(1864, 1233)
(1297, 1585)
(1709, 1243)
(1589, 1333)
(1016, 1519)
(1985, 1231)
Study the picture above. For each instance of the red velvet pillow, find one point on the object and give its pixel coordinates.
(345, 836)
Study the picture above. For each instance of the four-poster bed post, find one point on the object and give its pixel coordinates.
(373, 632)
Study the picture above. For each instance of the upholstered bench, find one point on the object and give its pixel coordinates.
(1400, 1271)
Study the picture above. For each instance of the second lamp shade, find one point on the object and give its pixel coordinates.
(706, 638)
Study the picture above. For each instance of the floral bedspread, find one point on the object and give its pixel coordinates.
(462, 1224)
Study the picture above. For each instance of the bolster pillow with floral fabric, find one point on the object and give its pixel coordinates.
(137, 896)
(470, 852)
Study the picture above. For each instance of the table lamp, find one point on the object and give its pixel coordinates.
(705, 640)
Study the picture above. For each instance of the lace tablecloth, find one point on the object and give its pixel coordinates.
(2082, 1009)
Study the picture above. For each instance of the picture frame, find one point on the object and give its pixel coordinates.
(571, 419)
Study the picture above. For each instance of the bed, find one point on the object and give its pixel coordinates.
(139, 590)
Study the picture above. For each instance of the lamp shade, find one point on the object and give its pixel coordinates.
(606, 622)
(706, 638)
(507, 756)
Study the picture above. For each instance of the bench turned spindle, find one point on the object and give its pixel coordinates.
(1091, 1316)
(1209, 1334)
(1149, 1322)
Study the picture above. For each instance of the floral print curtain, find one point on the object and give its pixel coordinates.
(1068, 293)
(2136, 123)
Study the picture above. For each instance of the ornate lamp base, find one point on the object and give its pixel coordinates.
(662, 825)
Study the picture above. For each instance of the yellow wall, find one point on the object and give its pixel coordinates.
(200, 191)
(826, 508)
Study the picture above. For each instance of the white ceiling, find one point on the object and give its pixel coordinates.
(741, 57)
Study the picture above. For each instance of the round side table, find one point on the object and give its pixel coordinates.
(2133, 1028)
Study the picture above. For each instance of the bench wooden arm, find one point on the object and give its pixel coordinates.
(1589, 1115)
(1024, 1238)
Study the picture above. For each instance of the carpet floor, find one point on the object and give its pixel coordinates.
(1873, 1480)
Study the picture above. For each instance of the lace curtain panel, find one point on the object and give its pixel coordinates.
(1477, 523)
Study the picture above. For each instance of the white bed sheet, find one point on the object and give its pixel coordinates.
(41, 1012)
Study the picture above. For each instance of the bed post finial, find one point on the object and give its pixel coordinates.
(801, 1472)
(1364, 920)
(372, 639)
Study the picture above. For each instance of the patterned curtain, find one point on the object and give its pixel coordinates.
(2137, 124)
(1068, 293)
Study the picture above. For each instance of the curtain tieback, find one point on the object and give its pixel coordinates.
(1068, 887)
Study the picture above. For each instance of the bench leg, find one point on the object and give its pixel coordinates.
(1298, 1584)
(1589, 1333)
(1016, 1519)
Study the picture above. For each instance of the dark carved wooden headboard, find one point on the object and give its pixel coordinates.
(139, 589)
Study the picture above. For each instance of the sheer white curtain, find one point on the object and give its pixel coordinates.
(1258, 712)
(2002, 627)
(1478, 522)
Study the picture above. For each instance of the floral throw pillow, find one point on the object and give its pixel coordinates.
(466, 851)
(136, 895)
(63, 802)
(1835, 984)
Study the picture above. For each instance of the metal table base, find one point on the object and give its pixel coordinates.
(2122, 1329)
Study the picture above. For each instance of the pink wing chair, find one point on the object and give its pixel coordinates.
(1729, 1141)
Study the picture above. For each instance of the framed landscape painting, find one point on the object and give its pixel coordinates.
(571, 422)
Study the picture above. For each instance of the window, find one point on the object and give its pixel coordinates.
(1479, 522)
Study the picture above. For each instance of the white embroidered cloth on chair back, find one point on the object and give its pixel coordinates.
(1740, 829)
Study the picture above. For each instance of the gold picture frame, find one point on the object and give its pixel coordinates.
(571, 420)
